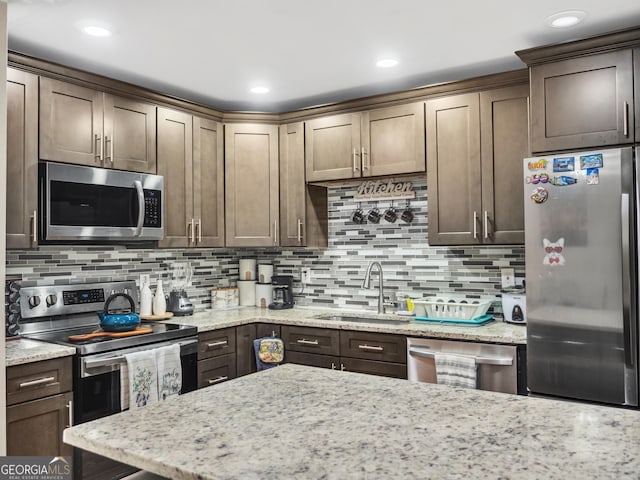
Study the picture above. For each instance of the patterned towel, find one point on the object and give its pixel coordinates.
(169, 371)
(142, 379)
(269, 352)
(456, 370)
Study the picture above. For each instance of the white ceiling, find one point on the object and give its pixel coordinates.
(307, 53)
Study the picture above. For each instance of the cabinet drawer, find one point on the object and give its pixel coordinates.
(39, 379)
(373, 346)
(267, 330)
(374, 367)
(311, 340)
(312, 360)
(216, 342)
(216, 370)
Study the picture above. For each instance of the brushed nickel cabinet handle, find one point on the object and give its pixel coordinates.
(275, 232)
(220, 343)
(625, 119)
(192, 233)
(364, 156)
(98, 144)
(307, 342)
(70, 410)
(333, 366)
(356, 162)
(299, 231)
(475, 222)
(486, 224)
(374, 348)
(34, 226)
(109, 151)
(342, 368)
(217, 379)
(199, 230)
(39, 381)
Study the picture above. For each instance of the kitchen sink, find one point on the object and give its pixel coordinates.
(363, 319)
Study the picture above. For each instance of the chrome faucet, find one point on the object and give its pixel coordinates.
(366, 283)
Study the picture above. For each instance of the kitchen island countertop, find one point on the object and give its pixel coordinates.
(494, 332)
(295, 422)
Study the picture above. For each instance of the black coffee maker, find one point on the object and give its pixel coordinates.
(282, 292)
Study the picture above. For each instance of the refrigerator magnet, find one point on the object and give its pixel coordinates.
(539, 195)
(538, 178)
(591, 161)
(553, 252)
(593, 176)
(537, 164)
(563, 181)
(563, 164)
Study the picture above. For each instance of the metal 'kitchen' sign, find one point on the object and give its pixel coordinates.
(384, 190)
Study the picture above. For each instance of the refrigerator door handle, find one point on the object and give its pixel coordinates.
(629, 354)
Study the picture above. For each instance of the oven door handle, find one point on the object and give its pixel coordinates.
(119, 359)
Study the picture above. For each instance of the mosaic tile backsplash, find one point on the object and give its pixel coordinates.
(410, 266)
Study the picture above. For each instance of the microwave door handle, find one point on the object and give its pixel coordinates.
(140, 193)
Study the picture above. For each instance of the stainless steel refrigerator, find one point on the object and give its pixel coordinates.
(581, 271)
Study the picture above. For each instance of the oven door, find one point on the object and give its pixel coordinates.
(88, 203)
(97, 395)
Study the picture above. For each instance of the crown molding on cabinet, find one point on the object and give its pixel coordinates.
(602, 43)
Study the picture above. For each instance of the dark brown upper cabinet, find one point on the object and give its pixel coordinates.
(385, 141)
(476, 144)
(88, 127)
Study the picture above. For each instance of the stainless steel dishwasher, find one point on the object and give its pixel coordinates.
(497, 364)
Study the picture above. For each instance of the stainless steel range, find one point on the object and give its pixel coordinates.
(54, 313)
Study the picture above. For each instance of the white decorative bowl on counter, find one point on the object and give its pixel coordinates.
(451, 308)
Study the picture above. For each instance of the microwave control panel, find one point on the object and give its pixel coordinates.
(152, 208)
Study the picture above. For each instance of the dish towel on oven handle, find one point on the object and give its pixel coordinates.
(456, 370)
(138, 380)
(169, 371)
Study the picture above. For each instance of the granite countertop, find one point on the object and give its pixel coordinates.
(494, 332)
(295, 422)
(21, 351)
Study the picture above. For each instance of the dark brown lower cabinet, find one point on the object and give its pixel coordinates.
(216, 370)
(312, 360)
(245, 358)
(35, 427)
(373, 367)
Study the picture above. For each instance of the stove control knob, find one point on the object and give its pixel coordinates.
(34, 301)
(51, 300)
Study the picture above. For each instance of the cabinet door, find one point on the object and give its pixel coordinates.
(393, 140)
(332, 147)
(245, 357)
(374, 367)
(71, 120)
(311, 340)
(251, 185)
(373, 346)
(582, 102)
(208, 182)
(453, 170)
(216, 370)
(504, 135)
(216, 343)
(22, 159)
(312, 360)
(175, 163)
(35, 427)
(129, 135)
(292, 185)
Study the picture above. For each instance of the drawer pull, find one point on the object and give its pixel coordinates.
(307, 342)
(217, 344)
(217, 380)
(39, 381)
(70, 410)
(375, 348)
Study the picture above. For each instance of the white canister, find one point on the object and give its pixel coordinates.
(264, 294)
(247, 269)
(247, 292)
(224, 298)
(265, 272)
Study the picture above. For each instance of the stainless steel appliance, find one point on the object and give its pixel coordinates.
(514, 305)
(177, 301)
(95, 204)
(282, 292)
(581, 268)
(54, 313)
(497, 364)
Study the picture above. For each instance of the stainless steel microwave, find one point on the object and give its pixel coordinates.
(79, 203)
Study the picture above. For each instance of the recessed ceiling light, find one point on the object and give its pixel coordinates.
(565, 19)
(386, 63)
(96, 31)
(259, 89)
